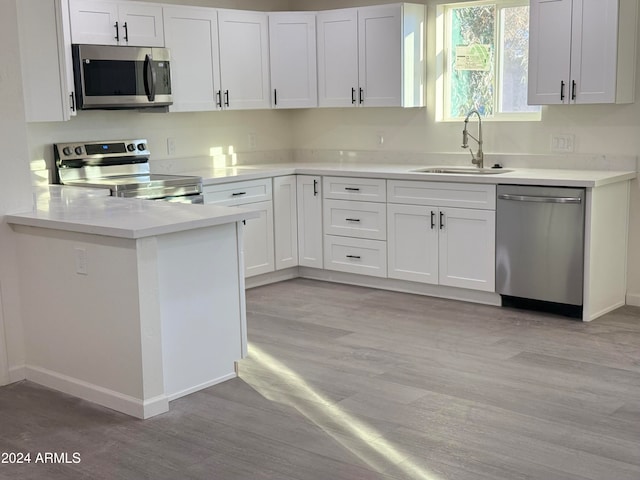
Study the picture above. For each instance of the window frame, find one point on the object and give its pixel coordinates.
(444, 51)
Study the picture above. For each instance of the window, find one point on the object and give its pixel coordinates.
(484, 49)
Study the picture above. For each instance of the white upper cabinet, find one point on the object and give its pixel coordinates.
(191, 34)
(244, 59)
(105, 22)
(337, 57)
(372, 56)
(45, 46)
(582, 51)
(292, 48)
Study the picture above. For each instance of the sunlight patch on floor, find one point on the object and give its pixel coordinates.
(359, 438)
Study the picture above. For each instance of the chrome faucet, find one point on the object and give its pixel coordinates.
(478, 157)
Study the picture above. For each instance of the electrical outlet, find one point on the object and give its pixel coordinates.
(171, 146)
(562, 143)
(253, 142)
(81, 260)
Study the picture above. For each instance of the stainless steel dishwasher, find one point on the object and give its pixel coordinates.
(540, 247)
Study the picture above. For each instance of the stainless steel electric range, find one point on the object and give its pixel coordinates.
(122, 166)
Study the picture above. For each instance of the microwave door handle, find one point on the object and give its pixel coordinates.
(149, 78)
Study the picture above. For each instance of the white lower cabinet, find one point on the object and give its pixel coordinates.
(309, 203)
(354, 221)
(285, 221)
(412, 243)
(355, 255)
(258, 242)
(442, 245)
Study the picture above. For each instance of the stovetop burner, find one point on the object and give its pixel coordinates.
(122, 166)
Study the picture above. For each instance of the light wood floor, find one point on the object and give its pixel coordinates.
(350, 383)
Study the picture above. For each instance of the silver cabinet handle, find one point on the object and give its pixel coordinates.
(532, 198)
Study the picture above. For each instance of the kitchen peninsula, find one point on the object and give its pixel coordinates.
(130, 303)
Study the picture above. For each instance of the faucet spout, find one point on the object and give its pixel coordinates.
(477, 158)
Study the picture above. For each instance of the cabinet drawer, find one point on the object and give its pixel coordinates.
(362, 189)
(355, 255)
(355, 219)
(238, 193)
(442, 194)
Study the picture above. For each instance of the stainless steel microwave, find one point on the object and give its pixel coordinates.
(108, 77)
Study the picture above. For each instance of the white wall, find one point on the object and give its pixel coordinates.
(598, 130)
(15, 192)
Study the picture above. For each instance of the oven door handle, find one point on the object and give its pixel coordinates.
(149, 78)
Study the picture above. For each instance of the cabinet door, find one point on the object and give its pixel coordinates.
(380, 55)
(192, 36)
(292, 47)
(338, 58)
(285, 222)
(549, 52)
(45, 46)
(94, 22)
(309, 221)
(140, 24)
(412, 243)
(467, 248)
(244, 59)
(258, 241)
(594, 46)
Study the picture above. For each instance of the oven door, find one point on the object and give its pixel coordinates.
(109, 77)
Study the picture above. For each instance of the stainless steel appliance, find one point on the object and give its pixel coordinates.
(108, 77)
(540, 247)
(122, 166)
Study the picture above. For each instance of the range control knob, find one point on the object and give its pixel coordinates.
(131, 147)
(66, 151)
(78, 150)
(142, 146)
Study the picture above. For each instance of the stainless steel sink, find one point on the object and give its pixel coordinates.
(463, 170)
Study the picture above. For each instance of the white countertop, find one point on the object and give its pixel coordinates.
(87, 210)
(521, 176)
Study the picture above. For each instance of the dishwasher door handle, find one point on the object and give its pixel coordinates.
(532, 198)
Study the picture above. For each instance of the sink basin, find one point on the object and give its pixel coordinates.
(463, 170)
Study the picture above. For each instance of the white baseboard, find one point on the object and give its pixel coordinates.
(589, 316)
(462, 294)
(633, 299)
(17, 374)
(202, 386)
(271, 277)
(96, 394)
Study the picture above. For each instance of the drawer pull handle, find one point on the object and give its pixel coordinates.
(352, 219)
(441, 220)
(237, 194)
(352, 189)
(433, 219)
(315, 188)
(357, 257)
